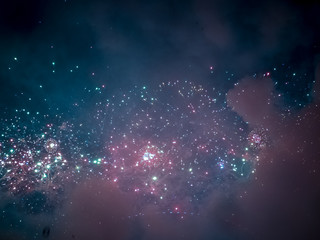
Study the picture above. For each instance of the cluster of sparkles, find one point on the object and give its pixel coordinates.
(172, 145)
(31, 160)
(258, 138)
(150, 156)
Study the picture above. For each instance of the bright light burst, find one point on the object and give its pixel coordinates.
(174, 143)
(51, 145)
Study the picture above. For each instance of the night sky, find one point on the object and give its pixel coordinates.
(159, 120)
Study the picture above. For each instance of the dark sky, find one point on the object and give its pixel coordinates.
(126, 43)
(65, 46)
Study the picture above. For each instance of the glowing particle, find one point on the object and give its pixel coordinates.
(51, 145)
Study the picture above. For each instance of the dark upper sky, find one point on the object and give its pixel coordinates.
(125, 43)
(54, 49)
